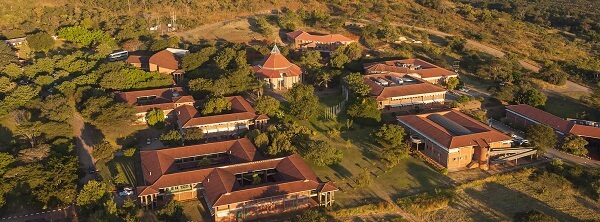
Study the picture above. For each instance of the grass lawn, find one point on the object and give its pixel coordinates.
(195, 211)
(410, 176)
(567, 105)
(130, 167)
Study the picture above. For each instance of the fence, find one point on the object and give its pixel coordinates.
(332, 112)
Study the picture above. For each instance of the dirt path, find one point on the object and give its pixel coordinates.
(83, 140)
(202, 30)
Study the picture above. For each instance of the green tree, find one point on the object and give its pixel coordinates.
(195, 60)
(390, 135)
(103, 151)
(267, 105)
(193, 134)
(131, 78)
(224, 57)
(534, 216)
(6, 85)
(554, 74)
(322, 153)
(263, 27)
(83, 36)
(12, 70)
(311, 60)
(20, 96)
(106, 114)
(155, 117)
(303, 102)
(129, 152)
(56, 108)
(532, 97)
(261, 140)
(338, 58)
(34, 154)
(364, 179)
(7, 56)
(173, 211)
(365, 111)
(575, 145)
(357, 84)
(216, 105)
(6, 160)
(158, 44)
(256, 179)
(542, 137)
(40, 41)
(92, 196)
(451, 83)
(171, 138)
(288, 20)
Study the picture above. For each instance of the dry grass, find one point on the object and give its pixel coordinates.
(545, 85)
(500, 197)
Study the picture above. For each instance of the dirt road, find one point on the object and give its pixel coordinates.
(84, 139)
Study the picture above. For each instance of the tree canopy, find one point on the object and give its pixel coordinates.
(365, 111)
(322, 153)
(357, 84)
(267, 105)
(40, 41)
(303, 102)
(542, 137)
(575, 145)
(155, 117)
(216, 105)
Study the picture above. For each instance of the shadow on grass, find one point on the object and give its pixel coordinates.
(506, 202)
(341, 171)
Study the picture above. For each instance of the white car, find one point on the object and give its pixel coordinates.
(126, 192)
(464, 89)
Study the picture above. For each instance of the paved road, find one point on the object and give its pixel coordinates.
(60, 214)
(550, 153)
(83, 140)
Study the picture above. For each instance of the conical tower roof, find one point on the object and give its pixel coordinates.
(275, 60)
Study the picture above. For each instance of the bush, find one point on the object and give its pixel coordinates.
(533, 216)
(426, 202)
(129, 152)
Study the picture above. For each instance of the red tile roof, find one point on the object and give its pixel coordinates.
(137, 59)
(165, 59)
(221, 187)
(276, 65)
(305, 36)
(540, 116)
(480, 134)
(427, 70)
(160, 170)
(385, 92)
(164, 98)
(557, 123)
(188, 116)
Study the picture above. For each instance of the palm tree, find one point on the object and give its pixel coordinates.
(324, 78)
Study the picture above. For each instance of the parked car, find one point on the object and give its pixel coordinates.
(126, 192)
(521, 142)
(148, 141)
(92, 170)
(465, 89)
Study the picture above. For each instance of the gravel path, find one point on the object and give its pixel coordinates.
(83, 139)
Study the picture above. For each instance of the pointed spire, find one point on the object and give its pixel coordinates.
(275, 50)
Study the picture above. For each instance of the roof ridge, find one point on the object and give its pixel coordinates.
(253, 162)
(271, 184)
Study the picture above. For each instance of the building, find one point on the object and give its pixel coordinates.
(413, 67)
(457, 141)
(233, 179)
(395, 91)
(523, 115)
(142, 62)
(277, 71)
(16, 42)
(165, 99)
(325, 43)
(232, 122)
(168, 61)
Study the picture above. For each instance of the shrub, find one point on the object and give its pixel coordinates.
(533, 216)
(426, 202)
(129, 152)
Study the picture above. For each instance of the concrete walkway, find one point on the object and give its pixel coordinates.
(550, 153)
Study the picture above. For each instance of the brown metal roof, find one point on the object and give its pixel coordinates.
(557, 123)
(188, 116)
(165, 59)
(427, 70)
(276, 65)
(164, 98)
(221, 189)
(305, 36)
(481, 133)
(385, 92)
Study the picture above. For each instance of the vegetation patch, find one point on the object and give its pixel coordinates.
(426, 202)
